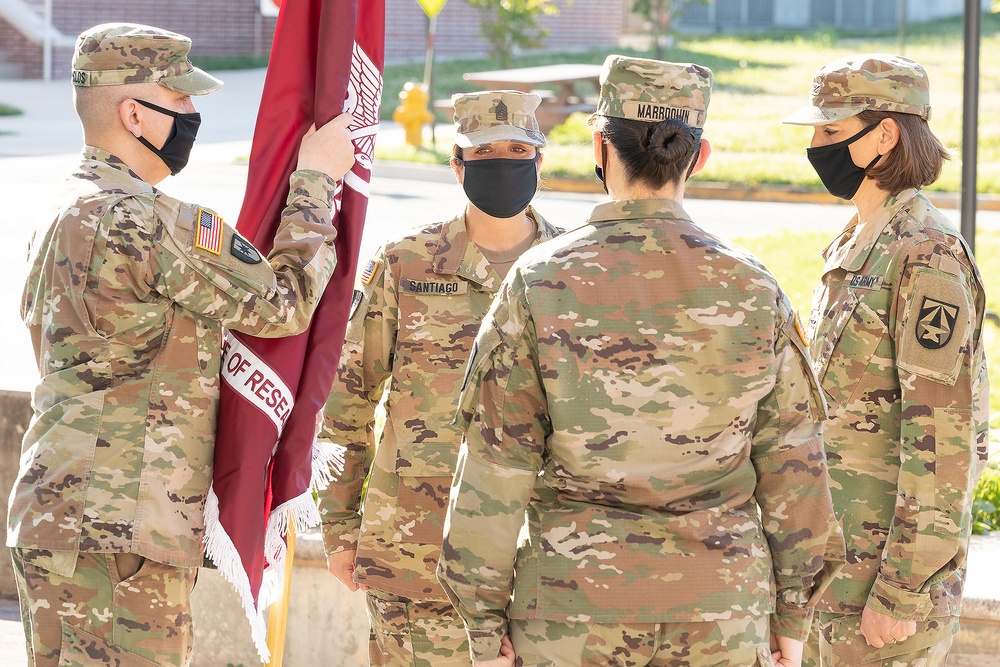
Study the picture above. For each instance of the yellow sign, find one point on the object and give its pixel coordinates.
(432, 7)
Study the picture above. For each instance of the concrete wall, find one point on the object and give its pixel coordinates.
(327, 624)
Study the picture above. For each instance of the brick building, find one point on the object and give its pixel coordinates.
(238, 28)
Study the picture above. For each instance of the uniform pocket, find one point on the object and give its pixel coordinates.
(388, 617)
(425, 471)
(846, 354)
(79, 647)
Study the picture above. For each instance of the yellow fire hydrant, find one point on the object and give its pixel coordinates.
(412, 112)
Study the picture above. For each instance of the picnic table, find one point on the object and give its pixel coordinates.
(576, 87)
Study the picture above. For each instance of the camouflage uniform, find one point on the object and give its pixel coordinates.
(896, 328)
(640, 390)
(423, 297)
(126, 300)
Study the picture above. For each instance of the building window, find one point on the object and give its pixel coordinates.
(760, 12)
(854, 13)
(695, 13)
(884, 14)
(727, 12)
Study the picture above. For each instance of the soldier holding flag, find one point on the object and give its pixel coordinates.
(128, 293)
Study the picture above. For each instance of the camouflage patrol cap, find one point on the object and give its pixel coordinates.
(496, 115)
(872, 81)
(113, 54)
(653, 90)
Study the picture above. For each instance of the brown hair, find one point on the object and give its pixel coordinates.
(917, 158)
(652, 153)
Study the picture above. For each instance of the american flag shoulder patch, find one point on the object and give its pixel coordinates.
(370, 269)
(208, 233)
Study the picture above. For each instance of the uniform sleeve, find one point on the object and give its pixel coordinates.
(938, 310)
(349, 415)
(205, 266)
(497, 467)
(793, 493)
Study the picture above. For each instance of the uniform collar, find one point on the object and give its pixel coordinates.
(638, 209)
(110, 173)
(851, 249)
(457, 255)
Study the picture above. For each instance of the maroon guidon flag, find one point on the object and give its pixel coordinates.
(326, 58)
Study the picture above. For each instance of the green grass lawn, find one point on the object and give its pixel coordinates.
(760, 79)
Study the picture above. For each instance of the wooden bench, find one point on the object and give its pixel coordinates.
(575, 86)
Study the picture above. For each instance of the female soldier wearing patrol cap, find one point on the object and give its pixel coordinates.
(640, 390)
(895, 330)
(411, 331)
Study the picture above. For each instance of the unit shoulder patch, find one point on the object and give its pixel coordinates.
(936, 323)
(244, 251)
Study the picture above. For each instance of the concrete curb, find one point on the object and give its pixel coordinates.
(421, 171)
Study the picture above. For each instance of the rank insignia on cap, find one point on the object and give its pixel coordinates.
(936, 323)
(208, 235)
(370, 268)
(501, 110)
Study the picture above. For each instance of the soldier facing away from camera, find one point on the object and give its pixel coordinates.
(641, 392)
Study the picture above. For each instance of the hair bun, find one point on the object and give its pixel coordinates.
(669, 141)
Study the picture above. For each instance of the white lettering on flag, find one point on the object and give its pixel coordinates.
(364, 96)
(256, 382)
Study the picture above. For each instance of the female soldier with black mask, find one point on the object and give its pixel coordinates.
(411, 332)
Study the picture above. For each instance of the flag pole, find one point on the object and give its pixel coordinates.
(277, 619)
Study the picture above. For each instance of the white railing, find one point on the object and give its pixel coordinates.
(33, 19)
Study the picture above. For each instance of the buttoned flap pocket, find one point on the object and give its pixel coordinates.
(936, 327)
(848, 349)
(79, 647)
(425, 470)
(388, 617)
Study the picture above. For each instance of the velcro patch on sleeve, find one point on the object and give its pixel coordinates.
(371, 268)
(936, 326)
(208, 231)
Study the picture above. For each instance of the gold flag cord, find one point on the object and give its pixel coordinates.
(277, 620)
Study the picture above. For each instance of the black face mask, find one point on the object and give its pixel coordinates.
(177, 148)
(836, 167)
(501, 187)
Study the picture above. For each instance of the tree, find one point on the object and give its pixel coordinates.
(661, 14)
(511, 24)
